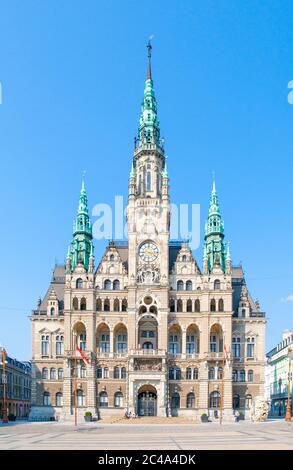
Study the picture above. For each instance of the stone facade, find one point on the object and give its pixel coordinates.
(152, 325)
(18, 388)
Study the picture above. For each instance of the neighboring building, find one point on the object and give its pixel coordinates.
(278, 362)
(152, 324)
(18, 387)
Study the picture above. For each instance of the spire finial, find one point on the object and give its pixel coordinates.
(149, 48)
(214, 182)
(82, 181)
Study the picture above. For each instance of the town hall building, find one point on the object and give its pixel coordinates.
(161, 335)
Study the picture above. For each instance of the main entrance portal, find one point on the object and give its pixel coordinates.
(147, 401)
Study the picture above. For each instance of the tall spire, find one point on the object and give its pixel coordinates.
(215, 250)
(80, 248)
(149, 126)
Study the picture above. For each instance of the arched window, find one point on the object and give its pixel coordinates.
(213, 305)
(211, 373)
(79, 283)
(190, 400)
(52, 311)
(59, 345)
(60, 373)
(248, 402)
(217, 284)
(99, 305)
(116, 285)
(75, 303)
(242, 375)
(236, 401)
(220, 373)
(107, 284)
(250, 347)
(250, 376)
(214, 401)
(83, 304)
(243, 313)
(45, 345)
(195, 373)
(148, 181)
(116, 305)
(112, 258)
(188, 373)
(80, 398)
(188, 285)
(106, 305)
(180, 285)
(189, 305)
(105, 343)
(179, 305)
(118, 400)
(82, 341)
(121, 342)
(183, 258)
(103, 399)
(235, 375)
(174, 344)
(172, 305)
(46, 399)
(45, 373)
(197, 305)
(116, 373)
(59, 399)
(53, 374)
(221, 305)
(123, 373)
(124, 305)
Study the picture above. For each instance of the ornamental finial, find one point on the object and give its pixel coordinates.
(149, 48)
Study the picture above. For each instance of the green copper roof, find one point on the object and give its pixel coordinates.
(214, 248)
(81, 245)
(149, 126)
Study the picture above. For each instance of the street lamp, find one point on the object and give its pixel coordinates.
(288, 409)
(4, 381)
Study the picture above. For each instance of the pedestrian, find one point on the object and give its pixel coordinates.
(237, 416)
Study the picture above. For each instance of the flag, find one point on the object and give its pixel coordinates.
(227, 356)
(79, 353)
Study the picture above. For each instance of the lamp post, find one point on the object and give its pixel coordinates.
(4, 381)
(288, 409)
(75, 377)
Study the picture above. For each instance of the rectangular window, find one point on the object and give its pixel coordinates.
(250, 350)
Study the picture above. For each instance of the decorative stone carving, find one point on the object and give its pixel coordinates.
(152, 365)
(260, 409)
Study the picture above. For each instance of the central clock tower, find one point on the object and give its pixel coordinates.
(148, 215)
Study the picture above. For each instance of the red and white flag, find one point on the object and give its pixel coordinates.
(227, 356)
(80, 354)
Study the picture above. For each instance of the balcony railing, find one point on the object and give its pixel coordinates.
(147, 352)
(214, 355)
(72, 354)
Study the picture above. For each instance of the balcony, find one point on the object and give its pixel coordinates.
(214, 356)
(71, 354)
(147, 352)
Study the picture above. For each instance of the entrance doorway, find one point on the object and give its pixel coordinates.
(147, 401)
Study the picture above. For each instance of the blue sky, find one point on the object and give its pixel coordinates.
(72, 76)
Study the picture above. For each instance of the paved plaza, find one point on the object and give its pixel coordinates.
(147, 436)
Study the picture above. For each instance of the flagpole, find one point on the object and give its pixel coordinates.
(222, 391)
(75, 380)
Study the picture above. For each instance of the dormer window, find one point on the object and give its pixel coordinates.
(79, 283)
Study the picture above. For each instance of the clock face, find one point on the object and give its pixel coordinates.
(148, 252)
